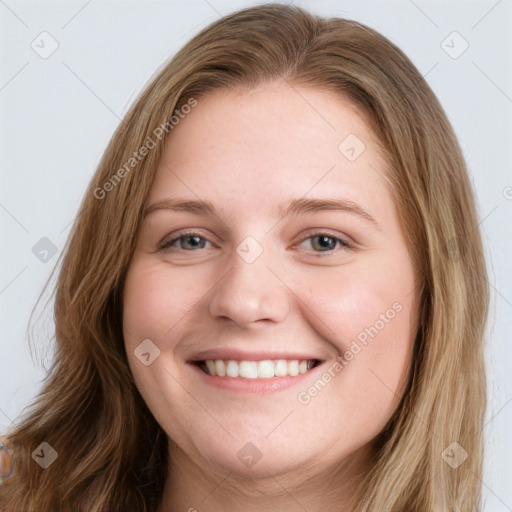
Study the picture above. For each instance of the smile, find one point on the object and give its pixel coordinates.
(266, 369)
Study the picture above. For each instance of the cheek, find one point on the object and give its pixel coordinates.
(370, 315)
(155, 300)
(368, 300)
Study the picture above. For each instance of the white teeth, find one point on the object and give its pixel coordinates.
(231, 369)
(280, 368)
(293, 368)
(220, 369)
(248, 369)
(266, 369)
(211, 367)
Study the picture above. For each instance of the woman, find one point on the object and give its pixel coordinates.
(274, 294)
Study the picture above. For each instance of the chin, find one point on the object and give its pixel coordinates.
(254, 460)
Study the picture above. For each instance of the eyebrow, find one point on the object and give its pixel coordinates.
(294, 207)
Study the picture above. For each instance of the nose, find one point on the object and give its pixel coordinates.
(249, 293)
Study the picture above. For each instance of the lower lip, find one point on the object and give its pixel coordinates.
(258, 386)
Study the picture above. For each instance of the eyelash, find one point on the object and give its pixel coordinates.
(344, 244)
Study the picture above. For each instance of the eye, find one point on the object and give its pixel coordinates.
(318, 242)
(186, 242)
(324, 242)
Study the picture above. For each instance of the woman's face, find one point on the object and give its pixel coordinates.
(270, 235)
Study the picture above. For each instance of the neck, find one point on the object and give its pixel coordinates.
(193, 487)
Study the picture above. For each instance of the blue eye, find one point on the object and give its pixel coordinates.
(187, 242)
(318, 242)
(322, 242)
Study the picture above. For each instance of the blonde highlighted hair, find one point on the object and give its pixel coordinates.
(111, 452)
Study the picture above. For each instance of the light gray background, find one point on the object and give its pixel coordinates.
(57, 115)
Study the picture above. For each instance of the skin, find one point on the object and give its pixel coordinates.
(246, 152)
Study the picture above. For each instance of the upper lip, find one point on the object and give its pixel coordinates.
(237, 354)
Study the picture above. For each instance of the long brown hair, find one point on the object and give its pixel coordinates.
(111, 452)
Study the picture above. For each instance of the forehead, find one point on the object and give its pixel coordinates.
(254, 148)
